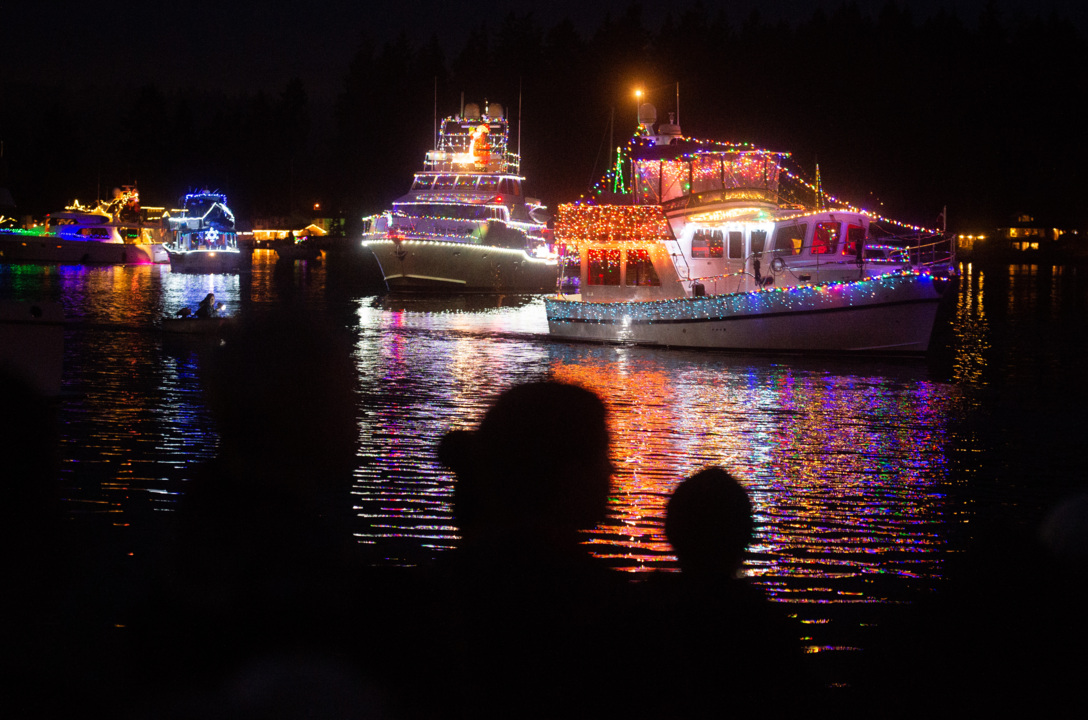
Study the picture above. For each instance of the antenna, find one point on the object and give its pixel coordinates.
(519, 125)
(677, 103)
(436, 112)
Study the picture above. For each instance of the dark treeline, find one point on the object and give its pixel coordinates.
(903, 114)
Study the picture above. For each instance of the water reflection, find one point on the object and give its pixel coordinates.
(863, 473)
(844, 469)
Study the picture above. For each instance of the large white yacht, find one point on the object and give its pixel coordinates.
(466, 225)
(113, 231)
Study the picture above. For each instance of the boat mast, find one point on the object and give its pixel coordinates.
(519, 126)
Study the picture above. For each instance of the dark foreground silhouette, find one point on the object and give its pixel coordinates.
(723, 648)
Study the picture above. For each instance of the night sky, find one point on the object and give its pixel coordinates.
(87, 76)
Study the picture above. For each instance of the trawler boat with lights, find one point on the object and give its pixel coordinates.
(466, 225)
(714, 251)
(204, 238)
(110, 232)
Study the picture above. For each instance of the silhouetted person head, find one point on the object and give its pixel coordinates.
(537, 466)
(708, 521)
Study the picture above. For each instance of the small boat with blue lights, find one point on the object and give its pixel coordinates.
(466, 225)
(204, 237)
(109, 232)
(715, 250)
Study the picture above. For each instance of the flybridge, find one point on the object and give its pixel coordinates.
(474, 141)
(689, 175)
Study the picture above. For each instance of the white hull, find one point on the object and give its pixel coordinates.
(437, 266)
(210, 261)
(51, 249)
(892, 314)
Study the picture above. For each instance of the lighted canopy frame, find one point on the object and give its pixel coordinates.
(579, 224)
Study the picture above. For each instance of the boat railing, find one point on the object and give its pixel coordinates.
(923, 251)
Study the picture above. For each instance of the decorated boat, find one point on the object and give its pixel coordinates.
(204, 237)
(109, 232)
(712, 246)
(466, 225)
(291, 248)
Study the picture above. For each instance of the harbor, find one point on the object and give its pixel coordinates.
(671, 361)
(871, 479)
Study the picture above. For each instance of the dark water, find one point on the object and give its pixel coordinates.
(868, 476)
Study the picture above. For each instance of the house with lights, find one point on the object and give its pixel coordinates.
(1024, 239)
(270, 229)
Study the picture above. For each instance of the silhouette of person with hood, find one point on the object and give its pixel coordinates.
(530, 617)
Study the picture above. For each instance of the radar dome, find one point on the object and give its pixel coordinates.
(495, 110)
(647, 114)
(472, 111)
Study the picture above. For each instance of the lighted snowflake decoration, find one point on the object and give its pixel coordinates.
(212, 235)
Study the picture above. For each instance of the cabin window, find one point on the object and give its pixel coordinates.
(640, 269)
(445, 182)
(604, 267)
(466, 182)
(736, 244)
(826, 238)
(759, 240)
(854, 234)
(423, 182)
(706, 173)
(707, 244)
(488, 182)
(788, 239)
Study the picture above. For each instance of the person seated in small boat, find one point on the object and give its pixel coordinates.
(207, 307)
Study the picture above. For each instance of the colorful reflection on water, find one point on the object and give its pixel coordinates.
(865, 475)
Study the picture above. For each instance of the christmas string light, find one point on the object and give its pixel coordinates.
(799, 298)
(702, 158)
(579, 223)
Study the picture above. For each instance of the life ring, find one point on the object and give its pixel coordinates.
(778, 265)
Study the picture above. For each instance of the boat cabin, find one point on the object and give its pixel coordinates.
(749, 250)
(623, 253)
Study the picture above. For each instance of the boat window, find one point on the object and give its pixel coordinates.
(488, 182)
(759, 240)
(423, 182)
(510, 186)
(450, 211)
(445, 182)
(826, 238)
(640, 269)
(604, 267)
(736, 244)
(466, 182)
(707, 244)
(706, 173)
(788, 239)
(854, 234)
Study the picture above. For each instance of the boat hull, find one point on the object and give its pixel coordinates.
(32, 344)
(210, 261)
(887, 314)
(292, 253)
(430, 266)
(46, 249)
(196, 326)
